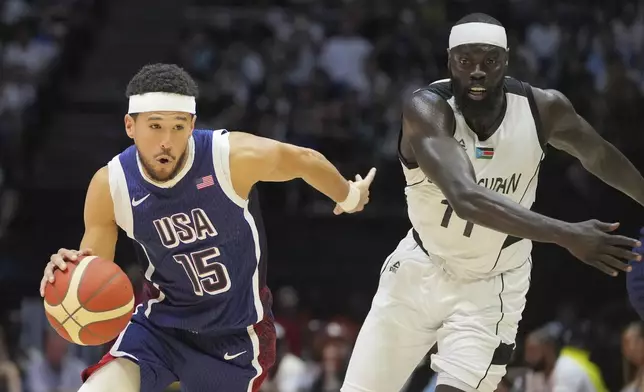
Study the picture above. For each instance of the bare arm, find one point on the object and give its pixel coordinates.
(101, 231)
(254, 159)
(569, 132)
(428, 121)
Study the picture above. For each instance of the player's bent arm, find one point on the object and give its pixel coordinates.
(101, 231)
(428, 121)
(254, 159)
(569, 132)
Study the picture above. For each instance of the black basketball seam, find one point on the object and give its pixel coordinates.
(60, 300)
(70, 315)
(97, 291)
(88, 331)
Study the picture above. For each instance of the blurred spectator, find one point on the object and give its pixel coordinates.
(334, 360)
(54, 370)
(289, 317)
(559, 368)
(289, 371)
(633, 354)
(10, 380)
(28, 52)
(344, 57)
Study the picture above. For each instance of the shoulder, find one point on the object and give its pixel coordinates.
(426, 103)
(243, 143)
(99, 192)
(101, 178)
(554, 107)
(427, 112)
(549, 99)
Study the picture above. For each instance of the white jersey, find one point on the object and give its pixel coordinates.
(508, 163)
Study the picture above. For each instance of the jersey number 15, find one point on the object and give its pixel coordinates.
(469, 226)
(207, 276)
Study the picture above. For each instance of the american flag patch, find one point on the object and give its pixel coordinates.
(205, 182)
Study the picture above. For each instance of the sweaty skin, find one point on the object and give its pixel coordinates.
(252, 159)
(428, 124)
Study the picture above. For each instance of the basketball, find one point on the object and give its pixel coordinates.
(90, 302)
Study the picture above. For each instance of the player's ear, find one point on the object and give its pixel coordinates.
(129, 126)
(194, 121)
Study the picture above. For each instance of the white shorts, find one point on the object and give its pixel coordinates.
(417, 304)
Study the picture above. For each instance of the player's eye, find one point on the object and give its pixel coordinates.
(155, 126)
(463, 61)
(490, 61)
(179, 127)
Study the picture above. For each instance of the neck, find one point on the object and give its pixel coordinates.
(485, 126)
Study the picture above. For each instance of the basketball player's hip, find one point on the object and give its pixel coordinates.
(421, 281)
(467, 261)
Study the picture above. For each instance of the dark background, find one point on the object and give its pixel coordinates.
(261, 68)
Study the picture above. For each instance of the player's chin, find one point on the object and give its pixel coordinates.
(163, 173)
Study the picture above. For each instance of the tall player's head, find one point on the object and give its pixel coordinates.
(477, 64)
(161, 117)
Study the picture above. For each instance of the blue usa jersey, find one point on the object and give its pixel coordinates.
(202, 245)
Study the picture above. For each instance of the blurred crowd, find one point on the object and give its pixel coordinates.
(330, 75)
(35, 39)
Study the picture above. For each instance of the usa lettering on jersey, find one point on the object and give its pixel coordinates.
(205, 273)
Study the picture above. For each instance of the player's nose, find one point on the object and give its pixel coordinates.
(478, 74)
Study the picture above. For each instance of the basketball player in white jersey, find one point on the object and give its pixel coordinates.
(471, 147)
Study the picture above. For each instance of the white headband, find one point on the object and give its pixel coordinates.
(478, 33)
(162, 102)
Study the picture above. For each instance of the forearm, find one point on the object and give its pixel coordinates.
(487, 208)
(319, 173)
(101, 240)
(612, 167)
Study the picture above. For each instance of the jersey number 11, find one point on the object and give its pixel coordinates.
(448, 215)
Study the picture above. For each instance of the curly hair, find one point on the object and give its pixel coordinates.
(162, 78)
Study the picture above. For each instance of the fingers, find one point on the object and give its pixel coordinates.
(358, 177)
(338, 210)
(370, 176)
(623, 241)
(604, 268)
(607, 227)
(58, 261)
(614, 263)
(43, 282)
(48, 276)
(86, 252)
(623, 253)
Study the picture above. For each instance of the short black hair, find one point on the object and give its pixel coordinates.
(162, 78)
(478, 17)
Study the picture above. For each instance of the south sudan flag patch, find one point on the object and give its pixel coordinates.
(484, 152)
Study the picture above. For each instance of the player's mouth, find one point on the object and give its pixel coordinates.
(476, 93)
(164, 160)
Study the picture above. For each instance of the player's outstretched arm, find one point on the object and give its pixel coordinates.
(254, 159)
(101, 231)
(566, 130)
(428, 123)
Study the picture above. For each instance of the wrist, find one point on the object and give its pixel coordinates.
(562, 233)
(352, 200)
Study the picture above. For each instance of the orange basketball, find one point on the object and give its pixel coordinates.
(90, 302)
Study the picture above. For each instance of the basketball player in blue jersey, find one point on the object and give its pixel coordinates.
(471, 147)
(184, 197)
